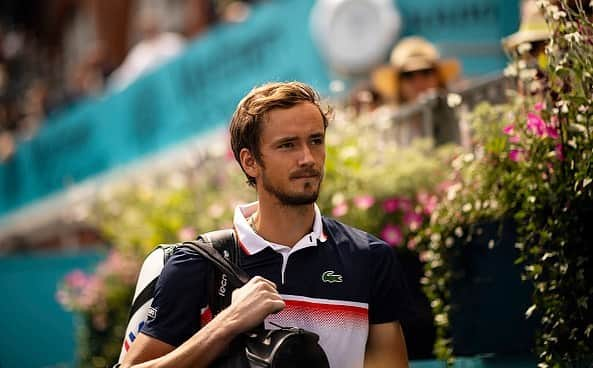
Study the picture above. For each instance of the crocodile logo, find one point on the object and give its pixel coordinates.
(331, 277)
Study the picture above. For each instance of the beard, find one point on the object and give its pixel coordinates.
(293, 199)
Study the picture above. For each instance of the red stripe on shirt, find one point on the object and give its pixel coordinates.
(348, 310)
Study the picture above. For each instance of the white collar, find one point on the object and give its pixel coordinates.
(252, 243)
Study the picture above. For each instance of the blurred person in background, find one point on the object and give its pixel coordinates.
(155, 47)
(415, 69)
(529, 42)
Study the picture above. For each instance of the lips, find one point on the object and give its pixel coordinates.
(305, 175)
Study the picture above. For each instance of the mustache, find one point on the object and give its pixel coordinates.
(305, 173)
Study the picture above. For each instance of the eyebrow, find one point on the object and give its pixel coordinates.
(293, 138)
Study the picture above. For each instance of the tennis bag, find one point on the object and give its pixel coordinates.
(285, 347)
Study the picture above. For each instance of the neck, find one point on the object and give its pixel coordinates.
(282, 224)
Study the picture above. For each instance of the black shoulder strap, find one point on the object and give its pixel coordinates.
(221, 248)
(211, 245)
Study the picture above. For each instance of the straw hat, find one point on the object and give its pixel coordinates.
(533, 27)
(412, 54)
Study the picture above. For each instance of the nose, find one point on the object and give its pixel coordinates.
(306, 158)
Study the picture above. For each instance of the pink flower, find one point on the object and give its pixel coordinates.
(412, 243)
(413, 220)
(559, 152)
(424, 256)
(364, 202)
(552, 132)
(187, 233)
(515, 139)
(340, 210)
(77, 279)
(536, 124)
(516, 155)
(428, 202)
(392, 235)
(539, 106)
(405, 204)
(390, 205)
(509, 129)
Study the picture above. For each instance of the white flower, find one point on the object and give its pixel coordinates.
(580, 118)
(555, 12)
(490, 244)
(348, 152)
(574, 37)
(524, 47)
(453, 100)
(510, 71)
(522, 64)
(458, 231)
(337, 86)
(527, 74)
(543, 3)
(563, 105)
(338, 199)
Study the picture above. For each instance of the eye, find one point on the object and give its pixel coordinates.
(286, 145)
(317, 140)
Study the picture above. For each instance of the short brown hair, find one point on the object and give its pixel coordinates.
(245, 127)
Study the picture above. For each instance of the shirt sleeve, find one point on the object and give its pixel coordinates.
(180, 295)
(389, 298)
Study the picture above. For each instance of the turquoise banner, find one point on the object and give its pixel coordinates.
(36, 330)
(197, 92)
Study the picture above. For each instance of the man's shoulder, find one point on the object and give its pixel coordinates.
(340, 233)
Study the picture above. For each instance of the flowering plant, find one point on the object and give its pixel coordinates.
(531, 162)
(101, 301)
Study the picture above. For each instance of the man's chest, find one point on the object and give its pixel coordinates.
(314, 272)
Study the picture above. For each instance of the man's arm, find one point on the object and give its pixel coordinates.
(386, 346)
(250, 305)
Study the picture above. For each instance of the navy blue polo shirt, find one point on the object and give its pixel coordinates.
(335, 281)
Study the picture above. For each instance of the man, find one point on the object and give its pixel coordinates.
(312, 272)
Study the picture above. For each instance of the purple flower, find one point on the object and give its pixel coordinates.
(364, 202)
(390, 205)
(392, 235)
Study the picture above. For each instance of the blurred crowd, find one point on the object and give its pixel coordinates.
(56, 53)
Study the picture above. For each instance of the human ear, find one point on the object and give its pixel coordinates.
(248, 162)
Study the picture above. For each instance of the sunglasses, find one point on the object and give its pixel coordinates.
(423, 72)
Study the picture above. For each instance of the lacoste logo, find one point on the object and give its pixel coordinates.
(331, 277)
